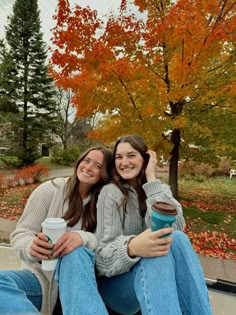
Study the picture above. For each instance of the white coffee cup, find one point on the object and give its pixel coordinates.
(54, 228)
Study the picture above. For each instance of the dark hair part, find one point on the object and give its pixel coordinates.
(138, 144)
(76, 210)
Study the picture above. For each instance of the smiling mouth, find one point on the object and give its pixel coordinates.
(86, 174)
(126, 169)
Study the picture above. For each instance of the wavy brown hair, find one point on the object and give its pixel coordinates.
(76, 211)
(138, 144)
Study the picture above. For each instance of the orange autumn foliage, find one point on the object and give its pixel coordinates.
(148, 73)
(148, 65)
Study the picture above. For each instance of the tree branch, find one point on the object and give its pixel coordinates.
(131, 98)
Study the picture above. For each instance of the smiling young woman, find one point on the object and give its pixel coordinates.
(140, 269)
(35, 291)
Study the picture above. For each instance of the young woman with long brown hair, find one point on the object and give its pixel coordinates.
(35, 291)
(139, 268)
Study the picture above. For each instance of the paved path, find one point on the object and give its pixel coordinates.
(64, 172)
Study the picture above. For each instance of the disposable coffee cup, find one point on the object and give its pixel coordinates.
(163, 215)
(53, 228)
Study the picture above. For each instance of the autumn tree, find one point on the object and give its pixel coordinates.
(167, 75)
(29, 88)
(70, 129)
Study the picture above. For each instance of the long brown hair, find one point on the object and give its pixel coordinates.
(76, 210)
(138, 144)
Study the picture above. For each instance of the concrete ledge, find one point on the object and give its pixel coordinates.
(6, 227)
(216, 268)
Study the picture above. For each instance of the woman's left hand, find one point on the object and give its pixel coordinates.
(67, 243)
(150, 170)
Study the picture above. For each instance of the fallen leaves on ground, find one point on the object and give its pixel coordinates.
(13, 200)
(213, 244)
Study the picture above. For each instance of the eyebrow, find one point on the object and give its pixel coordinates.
(130, 152)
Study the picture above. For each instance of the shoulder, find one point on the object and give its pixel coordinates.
(60, 181)
(50, 186)
(111, 191)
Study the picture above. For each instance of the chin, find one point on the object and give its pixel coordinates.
(127, 177)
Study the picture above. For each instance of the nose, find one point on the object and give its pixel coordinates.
(125, 160)
(88, 166)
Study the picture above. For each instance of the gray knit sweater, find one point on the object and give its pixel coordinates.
(45, 201)
(113, 235)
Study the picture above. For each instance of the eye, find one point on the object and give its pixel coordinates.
(98, 166)
(86, 160)
(118, 157)
(132, 155)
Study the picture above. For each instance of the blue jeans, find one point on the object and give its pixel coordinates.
(78, 288)
(169, 285)
(20, 292)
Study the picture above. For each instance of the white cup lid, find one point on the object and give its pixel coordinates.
(54, 223)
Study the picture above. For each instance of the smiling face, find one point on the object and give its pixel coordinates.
(89, 169)
(128, 162)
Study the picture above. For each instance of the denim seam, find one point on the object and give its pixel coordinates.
(144, 288)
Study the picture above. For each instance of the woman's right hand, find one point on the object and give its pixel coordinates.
(150, 244)
(40, 247)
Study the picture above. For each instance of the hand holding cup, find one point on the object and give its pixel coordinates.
(163, 216)
(53, 228)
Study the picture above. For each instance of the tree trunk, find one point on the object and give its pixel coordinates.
(173, 168)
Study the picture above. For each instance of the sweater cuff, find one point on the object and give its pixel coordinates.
(89, 239)
(152, 188)
(126, 259)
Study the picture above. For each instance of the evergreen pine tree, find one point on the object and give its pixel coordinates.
(7, 73)
(33, 87)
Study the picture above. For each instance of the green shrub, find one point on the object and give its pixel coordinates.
(11, 161)
(21, 160)
(66, 157)
(28, 158)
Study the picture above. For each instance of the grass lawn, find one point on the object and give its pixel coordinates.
(210, 211)
(209, 208)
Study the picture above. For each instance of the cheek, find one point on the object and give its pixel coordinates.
(80, 166)
(98, 174)
(140, 163)
(78, 170)
(117, 164)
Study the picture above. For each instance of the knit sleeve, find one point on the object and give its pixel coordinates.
(112, 253)
(157, 191)
(89, 239)
(29, 225)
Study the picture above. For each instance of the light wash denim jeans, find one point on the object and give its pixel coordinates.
(20, 293)
(169, 285)
(20, 290)
(78, 288)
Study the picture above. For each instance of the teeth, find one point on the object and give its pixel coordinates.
(86, 174)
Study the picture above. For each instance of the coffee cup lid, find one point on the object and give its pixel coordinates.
(54, 223)
(164, 208)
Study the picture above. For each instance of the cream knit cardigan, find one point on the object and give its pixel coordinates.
(45, 201)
